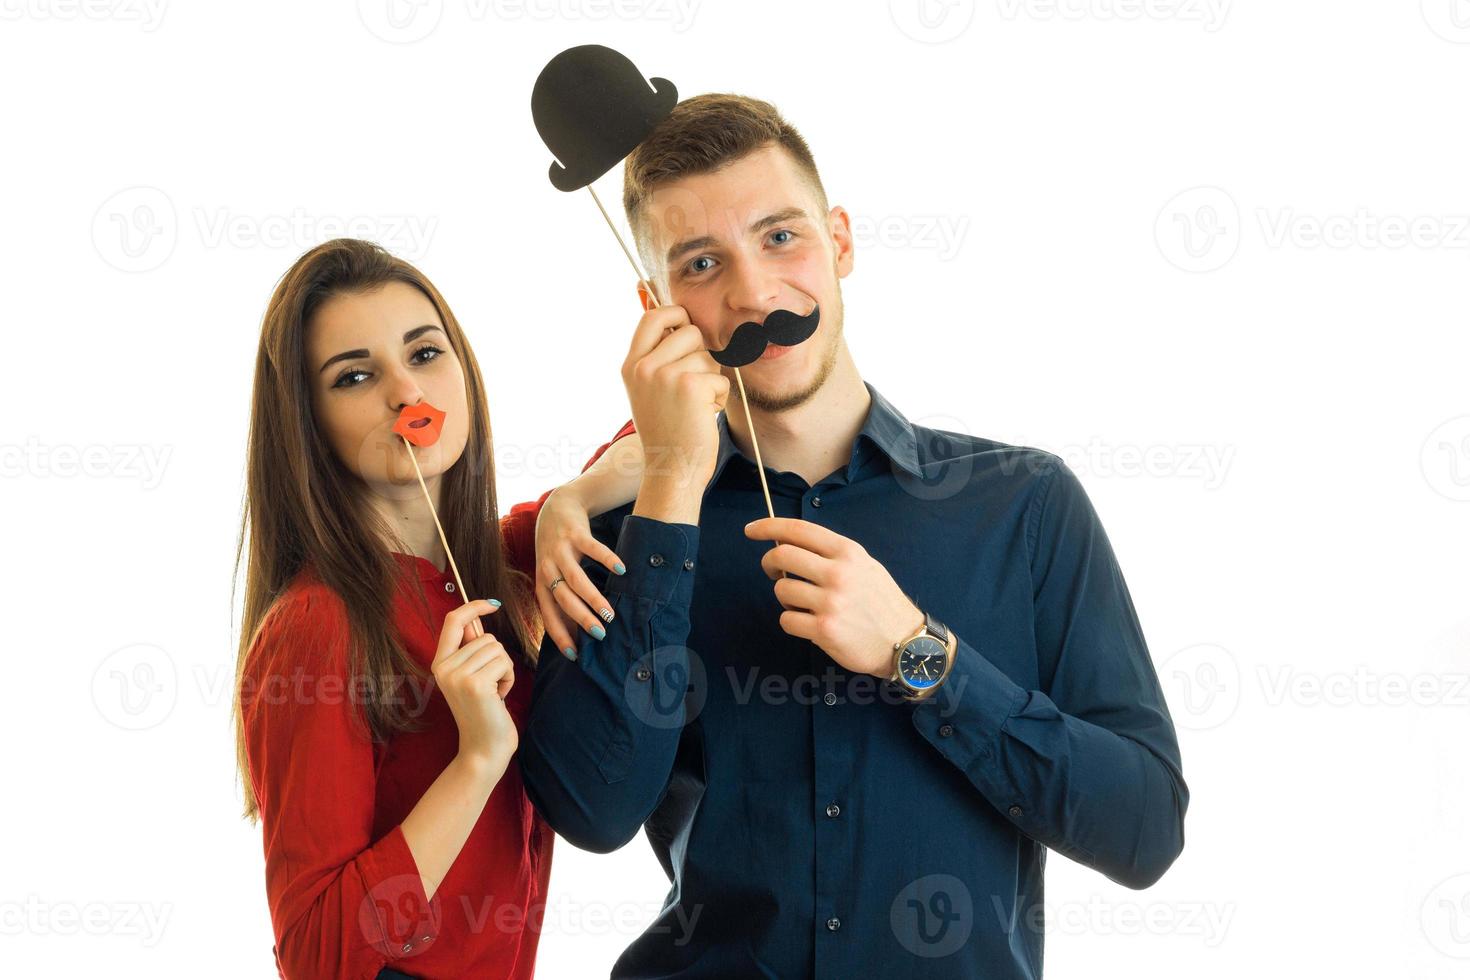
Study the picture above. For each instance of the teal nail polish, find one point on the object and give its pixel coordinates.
(571, 653)
(495, 602)
(598, 632)
(620, 568)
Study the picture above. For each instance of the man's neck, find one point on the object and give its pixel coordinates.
(814, 438)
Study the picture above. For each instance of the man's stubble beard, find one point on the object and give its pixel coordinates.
(772, 402)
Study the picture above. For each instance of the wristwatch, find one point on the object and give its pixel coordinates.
(922, 661)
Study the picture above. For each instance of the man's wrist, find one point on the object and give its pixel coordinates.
(673, 501)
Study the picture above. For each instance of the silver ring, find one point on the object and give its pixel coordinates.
(552, 587)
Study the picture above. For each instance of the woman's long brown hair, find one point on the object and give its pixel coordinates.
(302, 505)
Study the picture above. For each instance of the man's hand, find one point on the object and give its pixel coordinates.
(675, 390)
(848, 604)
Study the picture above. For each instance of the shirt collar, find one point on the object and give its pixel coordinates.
(884, 431)
(414, 564)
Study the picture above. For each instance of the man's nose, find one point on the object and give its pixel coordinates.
(754, 291)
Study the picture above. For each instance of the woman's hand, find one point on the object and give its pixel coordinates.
(563, 536)
(475, 673)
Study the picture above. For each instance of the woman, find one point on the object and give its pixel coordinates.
(376, 728)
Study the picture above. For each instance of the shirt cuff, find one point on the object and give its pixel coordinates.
(396, 917)
(964, 718)
(659, 557)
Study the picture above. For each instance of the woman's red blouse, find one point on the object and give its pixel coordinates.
(345, 895)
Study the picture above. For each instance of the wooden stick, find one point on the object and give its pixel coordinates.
(658, 300)
(445, 541)
(750, 424)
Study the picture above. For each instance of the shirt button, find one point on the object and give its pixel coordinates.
(655, 560)
(833, 924)
(945, 731)
(1014, 811)
(643, 673)
(833, 809)
(829, 698)
(688, 564)
(408, 947)
(816, 501)
(448, 586)
(426, 939)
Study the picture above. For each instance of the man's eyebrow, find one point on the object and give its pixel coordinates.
(349, 355)
(683, 248)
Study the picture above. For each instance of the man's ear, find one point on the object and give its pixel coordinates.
(645, 297)
(839, 226)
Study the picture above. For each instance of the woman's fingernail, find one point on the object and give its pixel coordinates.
(620, 568)
(571, 653)
(495, 603)
(598, 632)
(606, 615)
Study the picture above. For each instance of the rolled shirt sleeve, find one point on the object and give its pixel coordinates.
(605, 726)
(343, 902)
(1090, 765)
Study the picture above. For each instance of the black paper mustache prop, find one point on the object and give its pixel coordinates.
(782, 328)
(592, 107)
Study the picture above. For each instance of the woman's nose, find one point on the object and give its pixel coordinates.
(403, 390)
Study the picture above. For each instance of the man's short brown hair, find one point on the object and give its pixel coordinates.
(701, 135)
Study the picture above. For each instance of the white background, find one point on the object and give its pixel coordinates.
(1214, 254)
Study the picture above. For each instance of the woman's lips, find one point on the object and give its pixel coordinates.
(419, 424)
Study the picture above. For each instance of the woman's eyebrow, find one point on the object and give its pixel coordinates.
(408, 338)
(417, 332)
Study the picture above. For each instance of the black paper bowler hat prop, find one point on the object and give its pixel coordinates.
(592, 106)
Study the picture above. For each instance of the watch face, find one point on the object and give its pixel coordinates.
(921, 664)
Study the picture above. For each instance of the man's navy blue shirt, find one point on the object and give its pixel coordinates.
(813, 824)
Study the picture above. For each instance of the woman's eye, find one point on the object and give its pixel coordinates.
(342, 381)
(695, 266)
(426, 349)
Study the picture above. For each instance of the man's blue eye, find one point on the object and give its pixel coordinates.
(781, 232)
(694, 266)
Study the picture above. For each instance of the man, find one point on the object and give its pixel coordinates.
(816, 817)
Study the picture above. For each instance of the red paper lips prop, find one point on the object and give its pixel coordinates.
(420, 424)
